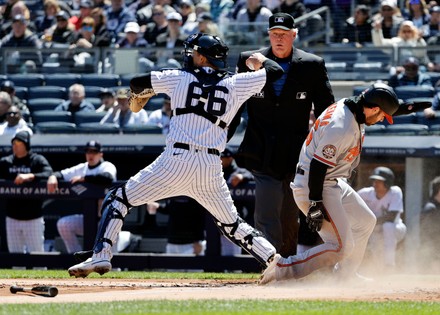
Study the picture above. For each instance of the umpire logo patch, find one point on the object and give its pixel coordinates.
(301, 95)
(329, 151)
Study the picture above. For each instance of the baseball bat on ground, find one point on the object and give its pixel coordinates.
(44, 290)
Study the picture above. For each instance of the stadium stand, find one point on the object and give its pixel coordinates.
(96, 127)
(55, 127)
(144, 129)
(51, 115)
(102, 79)
(27, 79)
(62, 79)
(47, 91)
(47, 103)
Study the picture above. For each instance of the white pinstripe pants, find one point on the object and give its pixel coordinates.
(25, 236)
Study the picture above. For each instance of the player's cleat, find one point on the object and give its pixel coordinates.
(269, 274)
(97, 265)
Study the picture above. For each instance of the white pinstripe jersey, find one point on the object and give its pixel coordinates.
(83, 169)
(335, 140)
(392, 201)
(224, 100)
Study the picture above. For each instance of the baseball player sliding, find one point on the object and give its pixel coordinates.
(328, 156)
(204, 100)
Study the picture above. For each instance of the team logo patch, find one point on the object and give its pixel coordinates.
(329, 151)
(301, 95)
(279, 19)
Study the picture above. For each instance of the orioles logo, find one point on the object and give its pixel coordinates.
(329, 151)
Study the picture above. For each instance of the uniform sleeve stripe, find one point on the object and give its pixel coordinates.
(320, 159)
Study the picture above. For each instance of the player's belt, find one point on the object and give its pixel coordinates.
(185, 146)
(299, 170)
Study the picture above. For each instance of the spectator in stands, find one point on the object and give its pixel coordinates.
(118, 16)
(14, 123)
(131, 38)
(86, 37)
(76, 101)
(63, 32)
(386, 201)
(21, 36)
(136, 5)
(121, 115)
(431, 111)
(103, 4)
(103, 37)
(9, 87)
(108, 100)
(429, 223)
(5, 105)
(19, 7)
(24, 217)
(390, 17)
(408, 36)
(171, 43)
(433, 54)
(340, 11)
(146, 15)
(158, 26)
(434, 22)
(357, 30)
(85, 10)
(94, 170)
(44, 22)
(411, 75)
(186, 225)
(253, 12)
(187, 11)
(295, 8)
(6, 10)
(206, 24)
(417, 12)
(161, 117)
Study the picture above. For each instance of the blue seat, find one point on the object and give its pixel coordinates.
(95, 101)
(421, 119)
(49, 103)
(62, 79)
(86, 117)
(435, 129)
(55, 127)
(51, 115)
(411, 91)
(92, 90)
(27, 80)
(403, 119)
(47, 91)
(96, 127)
(21, 92)
(435, 78)
(100, 79)
(125, 78)
(407, 130)
(375, 129)
(144, 129)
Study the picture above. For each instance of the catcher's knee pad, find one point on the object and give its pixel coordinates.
(251, 240)
(115, 207)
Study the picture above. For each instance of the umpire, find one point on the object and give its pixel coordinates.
(278, 124)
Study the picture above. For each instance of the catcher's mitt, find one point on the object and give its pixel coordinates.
(137, 101)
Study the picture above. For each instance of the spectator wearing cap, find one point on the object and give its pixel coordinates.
(121, 115)
(206, 24)
(161, 117)
(95, 170)
(411, 75)
(253, 12)
(85, 10)
(277, 126)
(186, 10)
(24, 216)
(108, 100)
(390, 18)
(132, 38)
(434, 22)
(9, 87)
(357, 29)
(18, 7)
(118, 15)
(14, 123)
(146, 15)
(417, 12)
(63, 32)
(44, 22)
(76, 101)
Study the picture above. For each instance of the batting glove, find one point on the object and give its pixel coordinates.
(316, 215)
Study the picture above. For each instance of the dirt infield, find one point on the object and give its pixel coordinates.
(397, 287)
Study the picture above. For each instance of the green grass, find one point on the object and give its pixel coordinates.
(239, 307)
(201, 307)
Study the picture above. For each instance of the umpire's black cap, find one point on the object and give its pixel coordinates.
(94, 146)
(282, 21)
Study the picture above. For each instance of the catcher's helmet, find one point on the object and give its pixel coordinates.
(210, 46)
(382, 96)
(385, 174)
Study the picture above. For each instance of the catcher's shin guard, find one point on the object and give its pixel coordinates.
(251, 240)
(114, 209)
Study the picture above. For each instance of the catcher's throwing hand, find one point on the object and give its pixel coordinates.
(316, 215)
(137, 101)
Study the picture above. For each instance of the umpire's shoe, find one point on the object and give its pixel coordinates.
(93, 264)
(269, 274)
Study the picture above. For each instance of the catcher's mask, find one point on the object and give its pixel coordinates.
(384, 174)
(210, 46)
(382, 96)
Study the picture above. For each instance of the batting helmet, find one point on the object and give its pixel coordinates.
(210, 46)
(382, 96)
(384, 174)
